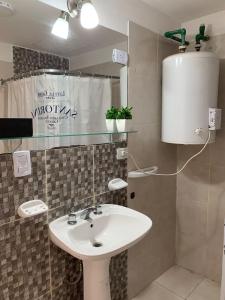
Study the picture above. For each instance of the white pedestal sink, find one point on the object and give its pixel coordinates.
(110, 233)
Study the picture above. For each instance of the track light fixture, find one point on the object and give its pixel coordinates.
(61, 26)
(86, 10)
(76, 8)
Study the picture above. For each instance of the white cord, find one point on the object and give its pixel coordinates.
(179, 171)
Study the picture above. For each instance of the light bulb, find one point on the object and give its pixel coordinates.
(88, 16)
(61, 26)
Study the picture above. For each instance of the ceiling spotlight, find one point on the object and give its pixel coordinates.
(61, 26)
(88, 16)
(86, 10)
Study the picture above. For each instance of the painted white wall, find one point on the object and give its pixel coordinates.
(115, 14)
(215, 24)
(6, 69)
(96, 57)
(6, 52)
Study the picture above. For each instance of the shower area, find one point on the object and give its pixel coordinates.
(182, 256)
(60, 103)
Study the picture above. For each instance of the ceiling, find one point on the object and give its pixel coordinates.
(185, 10)
(31, 26)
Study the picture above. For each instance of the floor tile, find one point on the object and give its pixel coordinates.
(207, 290)
(180, 281)
(156, 292)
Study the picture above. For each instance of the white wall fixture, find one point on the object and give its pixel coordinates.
(117, 19)
(120, 57)
(61, 26)
(76, 8)
(215, 118)
(32, 208)
(22, 163)
(143, 172)
(85, 10)
(96, 239)
(190, 88)
(88, 16)
(117, 184)
(122, 153)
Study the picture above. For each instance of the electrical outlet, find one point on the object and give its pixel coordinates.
(122, 153)
(22, 163)
(120, 57)
(215, 118)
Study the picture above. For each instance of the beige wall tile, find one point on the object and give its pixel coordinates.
(191, 252)
(143, 84)
(148, 149)
(193, 183)
(217, 149)
(200, 195)
(185, 152)
(155, 196)
(216, 45)
(215, 225)
(191, 221)
(192, 217)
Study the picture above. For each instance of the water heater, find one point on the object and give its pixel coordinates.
(190, 88)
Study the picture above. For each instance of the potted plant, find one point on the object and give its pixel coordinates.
(123, 115)
(111, 116)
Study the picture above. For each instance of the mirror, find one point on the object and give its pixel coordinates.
(65, 86)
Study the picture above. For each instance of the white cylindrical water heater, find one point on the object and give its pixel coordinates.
(190, 88)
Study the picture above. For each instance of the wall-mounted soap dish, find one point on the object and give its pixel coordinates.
(143, 172)
(32, 208)
(117, 184)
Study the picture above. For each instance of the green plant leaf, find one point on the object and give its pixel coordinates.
(112, 113)
(125, 113)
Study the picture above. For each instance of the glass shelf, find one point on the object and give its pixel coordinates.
(80, 134)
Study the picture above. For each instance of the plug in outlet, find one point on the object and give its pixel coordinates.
(215, 118)
(121, 153)
(120, 57)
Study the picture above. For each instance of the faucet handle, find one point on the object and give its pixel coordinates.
(72, 217)
(97, 210)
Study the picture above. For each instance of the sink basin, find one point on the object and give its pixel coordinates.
(96, 241)
(115, 230)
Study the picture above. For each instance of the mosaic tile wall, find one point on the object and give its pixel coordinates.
(25, 60)
(31, 266)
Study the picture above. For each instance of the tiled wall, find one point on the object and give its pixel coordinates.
(25, 60)
(201, 195)
(31, 267)
(155, 196)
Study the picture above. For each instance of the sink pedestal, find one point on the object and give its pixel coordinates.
(96, 279)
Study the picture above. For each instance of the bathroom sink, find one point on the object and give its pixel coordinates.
(96, 240)
(108, 234)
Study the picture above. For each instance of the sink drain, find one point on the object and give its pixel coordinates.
(97, 244)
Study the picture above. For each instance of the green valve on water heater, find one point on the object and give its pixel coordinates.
(174, 35)
(201, 37)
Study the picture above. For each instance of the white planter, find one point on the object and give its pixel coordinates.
(121, 125)
(111, 125)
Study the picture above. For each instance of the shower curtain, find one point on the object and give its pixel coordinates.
(60, 105)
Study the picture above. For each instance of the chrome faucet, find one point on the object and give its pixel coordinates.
(85, 215)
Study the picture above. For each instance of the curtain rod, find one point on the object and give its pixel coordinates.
(56, 72)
